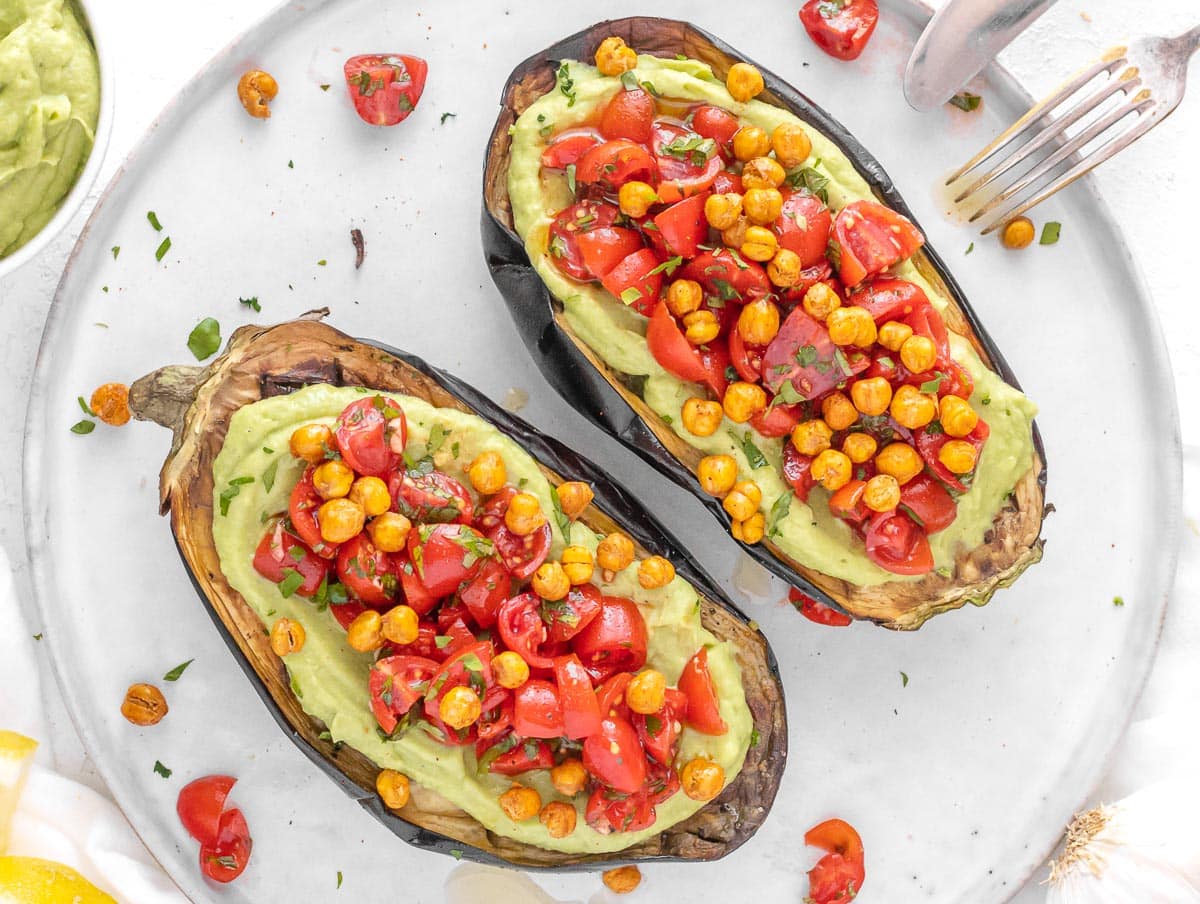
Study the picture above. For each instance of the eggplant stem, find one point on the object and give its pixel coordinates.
(165, 395)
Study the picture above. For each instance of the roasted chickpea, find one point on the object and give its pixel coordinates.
(524, 514)
(636, 198)
(791, 144)
(256, 89)
(684, 296)
(510, 669)
(646, 692)
(614, 56)
(717, 473)
(751, 530)
(577, 564)
(110, 402)
(832, 469)
(558, 818)
(812, 437)
(702, 417)
(701, 327)
(550, 582)
(743, 400)
(144, 704)
(723, 210)
(702, 779)
(957, 416)
(743, 500)
(750, 142)
(487, 473)
(623, 879)
(735, 235)
(893, 334)
(460, 707)
(784, 268)
(852, 326)
(655, 572)
(762, 172)
(615, 552)
(340, 520)
(820, 300)
(882, 493)
(393, 789)
(1018, 233)
(311, 442)
(372, 494)
(520, 803)
(569, 777)
(573, 497)
(918, 353)
(859, 447)
(333, 479)
(760, 244)
(912, 408)
(365, 633)
(958, 456)
(762, 205)
(744, 81)
(900, 460)
(400, 625)
(871, 396)
(839, 412)
(389, 531)
(287, 637)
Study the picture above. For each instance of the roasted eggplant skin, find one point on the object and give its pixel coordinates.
(610, 400)
(259, 362)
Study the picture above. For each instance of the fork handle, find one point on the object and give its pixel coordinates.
(1189, 41)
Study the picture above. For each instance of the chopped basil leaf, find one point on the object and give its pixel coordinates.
(456, 854)
(295, 682)
(755, 737)
(903, 680)
(324, 87)
(668, 266)
(630, 295)
(292, 579)
(630, 81)
(970, 248)
(322, 262)
(753, 454)
(806, 355)
(153, 218)
(1118, 601)
(1050, 233)
(252, 303)
(934, 384)
(268, 476)
(442, 641)
(908, 511)
(162, 770)
(565, 83)
(986, 400)
(967, 101)
(116, 249)
(571, 177)
(653, 725)
(564, 523)
(177, 672)
(162, 249)
(808, 179)
(87, 409)
(779, 511)
(437, 436)
(339, 885)
(205, 338)
(445, 116)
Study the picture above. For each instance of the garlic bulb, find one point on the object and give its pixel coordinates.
(1144, 849)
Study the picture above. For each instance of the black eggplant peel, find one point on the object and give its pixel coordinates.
(613, 400)
(196, 403)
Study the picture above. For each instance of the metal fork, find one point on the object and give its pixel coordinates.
(1149, 73)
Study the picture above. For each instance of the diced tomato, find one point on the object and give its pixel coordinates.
(574, 612)
(630, 114)
(602, 249)
(614, 641)
(870, 238)
(484, 593)
(629, 812)
(662, 781)
(612, 164)
(563, 240)
(840, 27)
(797, 471)
(847, 502)
(611, 695)
(727, 182)
(925, 321)
(302, 510)
(581, 712)
(368, 572)
(200, 805)
(433, 497)
(445, 555)
(280, 552)
(537, 712)
(395, 684)
(887, 299)
(469, 667)
(686, 172)
(929, 502)
(724, 276)
(715, 123)
(839, 875)
(672, 350)
(568, 146)
(416, 594)
(346, 612)
(524, 756)
(660, 732)
(614, 755)
(226, 859)
(371, 433)
(454, 626)
(803, 354)
(522, 629)
(386, 87)
(634, 281)
(494, 722)
(521, 555)
(683, 226)
(816, 611)
(696, 684)
(747, 359)
(930, 444)
(777, 420)
(803, 227)
(895, 543)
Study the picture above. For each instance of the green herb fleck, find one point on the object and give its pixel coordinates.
(668, 266)
(162, 249)
(83, 427)
(205, 338)
(324, 87)
(753, 454)
(116, 250)
(268, 476)
(230, 492)
(808, 179)
(571, 177)
(934, 384)
(1118, 601)
(295, 682)
(565, 83)
(630, 295)
(339, 885)
(153, 218)
(456, 854)
(176, 672)
(291, 165)
(252, 303)
(322, 262)
(445, 116)
(87, 409)
(970, 248)
(37, 636)
(162, 770)
(1050, 233)
(560, 518)
(903, 680)
(755, 737)
(966, 101)
(779, 511)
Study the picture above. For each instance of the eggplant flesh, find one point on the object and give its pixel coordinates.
(610, 400)
(196, 403)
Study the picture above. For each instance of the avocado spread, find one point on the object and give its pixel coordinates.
(807, 533)
(49, 106)
(330, 679)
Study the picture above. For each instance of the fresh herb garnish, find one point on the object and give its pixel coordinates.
(162, 770)
(970, 248)
(630, 295)
(934, 384)
(808, 179)
(295, 683)
(1118, 601)
(755, 737)
(560, 518)
(445, 116)
(903, 680)
(779, 511)
(1050, 233)
(83, 427)
(116, 249)
(230, 492)
(161, 251)
(565, 83)
(629, 81)
(695, 149)
(753, 454)
(668, 266)
(153, 218)
(806, 355)
(571, 177)
(966, 101)
(252, 303)
(177, 672)
(87, 409)
(205, 338)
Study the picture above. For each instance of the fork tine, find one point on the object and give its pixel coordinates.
(1111, 60)
(1127, 81)
(1094, 159)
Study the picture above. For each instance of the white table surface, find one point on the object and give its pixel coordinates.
(1151, 191)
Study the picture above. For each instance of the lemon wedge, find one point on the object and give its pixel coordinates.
(28, 880)
(16, 756)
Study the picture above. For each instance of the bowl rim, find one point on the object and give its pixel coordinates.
(77, 196)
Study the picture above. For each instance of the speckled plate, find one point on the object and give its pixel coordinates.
(958, 752)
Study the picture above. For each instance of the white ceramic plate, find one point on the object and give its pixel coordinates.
(959, 782)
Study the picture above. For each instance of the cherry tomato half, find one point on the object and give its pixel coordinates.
(615, 757)
(872, 237)
(838, 876)
(371, 433)
(840, 28)
(537, 712)
(603, 248)
(614, 641)
(612, 164)
(395, 684)
(522, 556)
(200, 805)
(895, 543)
(226, 858)
(570, 615)
(659, 732)
(683, 226)
(682, 173)
(703, 708)
(630, 114)
(432, 497)
(563, 245)
(635, 281)
(803, 227)
(580, 710)
(671, 349)
(568, 146)
(302, 510)
(386, 87)
(485, 592)
(368, 572)
(816, 611)
(520, 624)
(280, 552)
(929, 502)
(445, 555)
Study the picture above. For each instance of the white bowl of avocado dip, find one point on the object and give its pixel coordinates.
(55, 120)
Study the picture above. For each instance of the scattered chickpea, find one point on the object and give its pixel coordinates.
(751, 530)
(762, 205)
(510, 669)
(636, 198)
(558, 818)
(791, 144)
(717, 474)
(701, 327)
(646, 692)
(750, 142)
(918, 353)
(784, 268)
(389, 531)
(684, 296)
(912, 408)
(702, 779)
(957, 416)
(735, 235)
(893, 334)
(332, 480)
(487, 473)
(758, 322)
(871, 396)
(655, 572)
(760, 244)
(460, 707)
(852, 326)
(723, 210)
(614, 56)
(110, 402)
(144, 704)
(1018, 233)
(311, 442)
(820, 300)
(569, 777)
(743, 400)
(839, 412)
(578, 565)
(287, 637)
(958, 456)
(365, 633)
(524, 514)
(400, 625)
(340, 520)
(743, 500)
(702, 417)
(832, 469)
(393, 789)
(372, 494)
(520, 803)
(256, 89)
(812, 437)
(882, 493)
(859, 447)
(744, 82)
(762, 172)
(623, 879)
(900, 460)
(550, 581)
(573, 497)
(615, 553)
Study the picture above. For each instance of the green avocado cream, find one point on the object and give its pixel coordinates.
(331, 679)
(49, 105)
(807, 533)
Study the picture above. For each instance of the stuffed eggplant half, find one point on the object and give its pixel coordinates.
(461, 620)
(706, 264)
